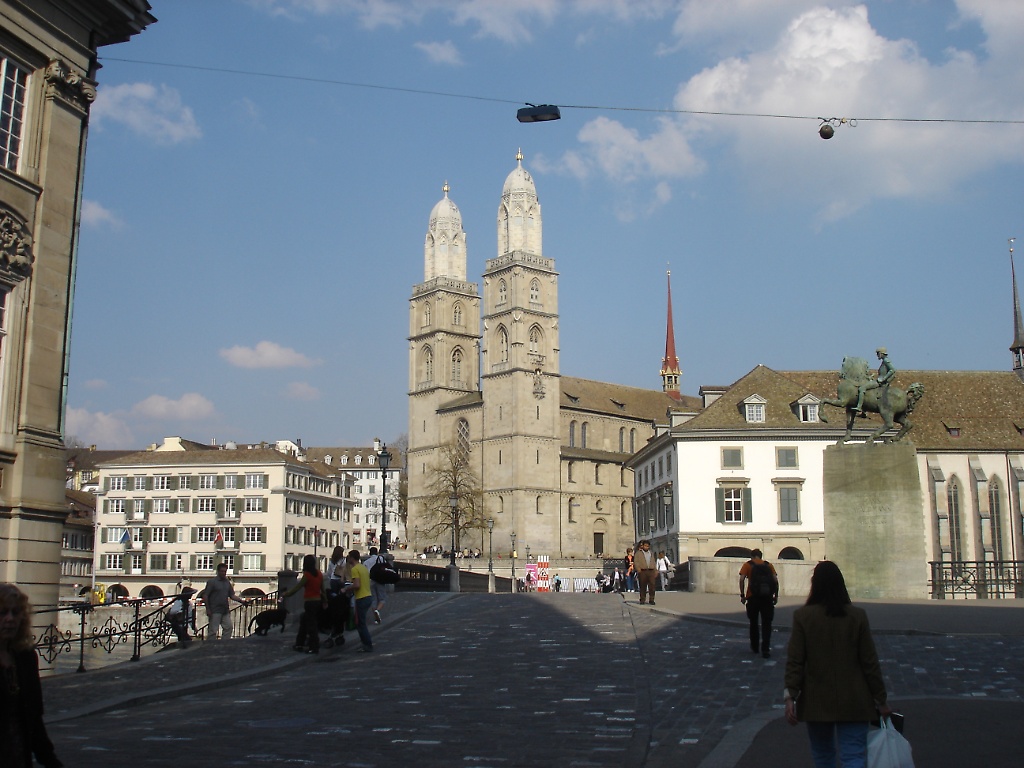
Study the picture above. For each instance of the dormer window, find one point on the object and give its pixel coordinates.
(359, 460)
(370, 459)
(344, 460)
(754, 409)
(952, 429)
(807, 409)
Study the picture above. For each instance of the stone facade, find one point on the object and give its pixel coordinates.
(48, 54)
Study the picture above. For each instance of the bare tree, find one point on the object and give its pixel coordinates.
(400, 446)
(453, 477)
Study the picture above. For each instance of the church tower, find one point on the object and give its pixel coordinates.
(670, 373)
(1017, 348)
(520, 373)
(444, 329)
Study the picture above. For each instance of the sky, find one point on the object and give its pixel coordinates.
(260, 174)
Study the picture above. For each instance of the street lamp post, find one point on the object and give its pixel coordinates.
(490, 555)
(513, 537)
(384, 459)
(453, 502)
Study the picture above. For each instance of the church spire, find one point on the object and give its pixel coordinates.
(1017, 348)
(670, 372)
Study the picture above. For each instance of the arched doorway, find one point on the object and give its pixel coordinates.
(253, 592)
(791, 553)
(733, 552)
(116, 592)
(151, 592)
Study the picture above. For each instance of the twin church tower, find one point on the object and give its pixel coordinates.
(484, 380)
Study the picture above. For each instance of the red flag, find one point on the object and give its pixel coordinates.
(220, 537)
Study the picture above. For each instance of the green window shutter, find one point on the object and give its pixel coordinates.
(220, 482)
(149, 483)
(146, 536)
(103, 535)
(193, 482)
(266, 481)
(748, 510)
(195, 534)
(191, 562)
(239, 481)
(148, 506)
(263, 562)
(106, 483)
(263, 534)
(174, 484)
(720, 505)
(220, 507)
(195, 505)
(172, 534)
(106, 506)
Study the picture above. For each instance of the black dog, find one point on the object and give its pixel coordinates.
(264, 620)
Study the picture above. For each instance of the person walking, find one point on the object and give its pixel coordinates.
(646, 568)
(22, 731)
(833, 678)
(181, 616)
(665, 569)
(759, 595)
(314, 598)
(627, 570)
(337, 602)
(379, 592)
(360, 590)
(216, 594)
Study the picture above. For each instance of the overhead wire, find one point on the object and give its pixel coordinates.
(593, 107)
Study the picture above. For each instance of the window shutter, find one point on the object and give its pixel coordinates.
(195, 534)
(195, 506)
(748, 510)
(103, 535)
(149, 483)
(266, 481)
(174, 484)
(263, 562)
(172, 535)
(146, 535)
(191, 562)
(148, 506)
(720, 505)
(220, 482)
(263, 534)
(106, 506)
(106, 483)
(193, 482)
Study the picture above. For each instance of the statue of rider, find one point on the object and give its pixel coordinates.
(886, 373)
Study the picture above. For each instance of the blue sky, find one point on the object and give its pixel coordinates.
(249, 241)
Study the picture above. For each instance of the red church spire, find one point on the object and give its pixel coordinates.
(670, 372)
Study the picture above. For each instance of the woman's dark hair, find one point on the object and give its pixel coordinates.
(828, 588)
(16, 601)
(309, 565)
(338, 554)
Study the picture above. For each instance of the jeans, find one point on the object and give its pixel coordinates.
(221, 620)
(760, 609)
(362, 608)
(852, 739)
(309, 625)
(630, 582)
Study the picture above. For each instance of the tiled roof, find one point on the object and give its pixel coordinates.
(622, 401)
(987, 407)
(84, 458)
(204, 456)
(317, 455)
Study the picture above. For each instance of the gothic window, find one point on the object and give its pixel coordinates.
(428, 365)
(535, 291)
(426, 313)
(583, 434)
(571, 471)
(535, 340)
(502, 291)
(536, 505)
(572, 509)
(597, 474)
(622, 439)
(632, 441)
(462, 437)
(457, 367)
(955, 533)
(457, 313)
(996, 518)
(572, 434)
(502, 345)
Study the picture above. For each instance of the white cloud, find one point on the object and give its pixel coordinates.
(299, 390)
(441, 53)
(153, 111)
(95, 215)
(95, 384)
(267, 354)
(189, 407)
(101, 429)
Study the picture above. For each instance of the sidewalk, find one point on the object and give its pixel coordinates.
(204, 665)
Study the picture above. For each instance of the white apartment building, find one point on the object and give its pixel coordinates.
(169, 515)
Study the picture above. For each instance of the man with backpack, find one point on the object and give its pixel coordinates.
(759, 592)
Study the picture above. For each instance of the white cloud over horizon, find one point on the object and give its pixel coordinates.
(267, 354)
(300, 390)
(95, 215)
(441, 53)
(104, 430)
(154, 112)
(189, 407)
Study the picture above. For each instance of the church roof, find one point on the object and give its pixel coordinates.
(519, 180)
(619, 400)
(960, 410)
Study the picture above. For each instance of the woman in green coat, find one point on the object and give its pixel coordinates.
(833, 680)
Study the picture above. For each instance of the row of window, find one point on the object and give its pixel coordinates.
(570, 470)
(754, 409)
(457, 315)
(139, 509)
(785, 458)
(250, 480)
(734, 504)
(953, 528)
(176, 562)
(170, 534)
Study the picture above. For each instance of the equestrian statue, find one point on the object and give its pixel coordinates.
(859, 392)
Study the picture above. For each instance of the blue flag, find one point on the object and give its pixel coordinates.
(125, 538)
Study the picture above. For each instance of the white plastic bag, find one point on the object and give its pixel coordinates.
(887, 748)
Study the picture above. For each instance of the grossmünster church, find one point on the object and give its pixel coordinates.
(485, 379)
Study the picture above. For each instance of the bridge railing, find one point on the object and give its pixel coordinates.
(977, 580)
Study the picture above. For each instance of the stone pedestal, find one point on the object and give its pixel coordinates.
(874, 525)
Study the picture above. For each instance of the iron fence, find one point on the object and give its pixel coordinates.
(113, 629)
(977, 580)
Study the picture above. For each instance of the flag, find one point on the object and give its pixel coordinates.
(125, 537)
(220, 537)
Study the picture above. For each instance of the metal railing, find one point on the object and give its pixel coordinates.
(434, 578)
(977, 580)
(117, 626)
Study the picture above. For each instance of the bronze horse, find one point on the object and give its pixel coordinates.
(893, 404)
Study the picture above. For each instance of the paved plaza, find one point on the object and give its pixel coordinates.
(539, 680)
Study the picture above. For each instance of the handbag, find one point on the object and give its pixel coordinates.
(887, 748)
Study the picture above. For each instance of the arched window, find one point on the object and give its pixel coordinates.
(502, 345)
(535, 291)
(622, 439)
(457, 313)
(572, 509)
(953, 504)
(583, 434)
(536, 505)
(632, 441)
(502, 292)
(597, 474)
(457, 367)
(535, 340)
(570, 471)
(995, 512)
(572, 434)
(428, 365)
(426, 313)
(462, 438)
